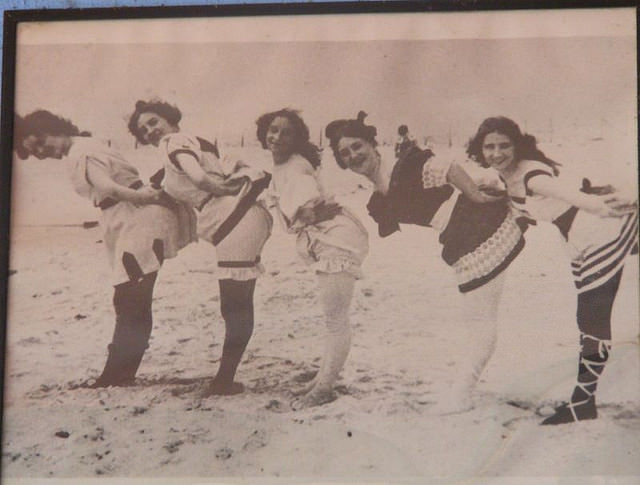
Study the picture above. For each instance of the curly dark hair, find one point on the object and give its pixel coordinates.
(525, 145)
(338, 129)
(40, 123)
(302, 145)
(167, 111)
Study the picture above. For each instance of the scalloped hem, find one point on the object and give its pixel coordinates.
(240, 274)
(500, 248)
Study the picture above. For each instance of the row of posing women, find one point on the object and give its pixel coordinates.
(478, 231)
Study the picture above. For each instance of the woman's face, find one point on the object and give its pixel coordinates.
(498, 151)
(280, 138)
(152, 127)
(358, 155)
(47, 146)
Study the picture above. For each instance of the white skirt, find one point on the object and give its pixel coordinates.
(139, 238)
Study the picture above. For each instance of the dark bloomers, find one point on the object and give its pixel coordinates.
(407, 201)
(167, 111)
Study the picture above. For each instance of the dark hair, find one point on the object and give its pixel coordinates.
(403, 130)
(167, 111)
(302, 145)
(40, 123)
(525, 145)
(350, 128)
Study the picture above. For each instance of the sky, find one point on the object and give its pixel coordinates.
(553, 83)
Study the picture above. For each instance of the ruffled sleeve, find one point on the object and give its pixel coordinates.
(434, 172)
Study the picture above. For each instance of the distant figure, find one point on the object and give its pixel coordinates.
(405, 141)
(224, 196)
(478, 232)
(329, 237)
(599, 227)
(142, 227)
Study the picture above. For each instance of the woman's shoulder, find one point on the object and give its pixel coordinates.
(518, 180)
(300, 164)
(416, 154)
(527, 168)
(177, 141)
(86, 145)
(85, 148)
(411, 164)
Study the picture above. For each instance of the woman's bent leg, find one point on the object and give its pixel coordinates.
(336, 293)
(594, 322)
(481, 319)
(238, 267)
(480, 313)
(134, 321)
(236, 306)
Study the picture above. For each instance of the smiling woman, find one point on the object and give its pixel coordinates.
(141, 229)
(44, 135)
(498, 150)
(478, 232)
(600, 228)
(328, 236)
(229, 217)
(152, 120)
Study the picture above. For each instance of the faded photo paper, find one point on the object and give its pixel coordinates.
(411, 229)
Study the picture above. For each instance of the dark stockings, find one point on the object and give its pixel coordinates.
(236, 306)
(132, 304)
(594, 322)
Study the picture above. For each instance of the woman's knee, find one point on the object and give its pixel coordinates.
(236, 299)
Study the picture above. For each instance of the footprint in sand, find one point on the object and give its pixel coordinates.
(224, 453)
(277, 407)
(305, 376)
(256, 440)
(96, 435)
(173, 446)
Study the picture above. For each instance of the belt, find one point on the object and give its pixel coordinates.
(238, 264)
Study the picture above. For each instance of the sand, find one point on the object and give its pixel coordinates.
(407, 342)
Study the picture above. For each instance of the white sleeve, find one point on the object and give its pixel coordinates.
(180, 143)
(80, 178)
(301, 187)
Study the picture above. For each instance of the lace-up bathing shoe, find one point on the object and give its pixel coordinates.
(571, 412)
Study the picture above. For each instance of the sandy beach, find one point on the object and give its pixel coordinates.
(382, 429)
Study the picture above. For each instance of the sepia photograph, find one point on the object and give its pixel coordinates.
(311, 245)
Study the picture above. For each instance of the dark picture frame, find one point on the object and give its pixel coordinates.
(566, 71)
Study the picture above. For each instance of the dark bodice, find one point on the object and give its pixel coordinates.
(407, 201)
